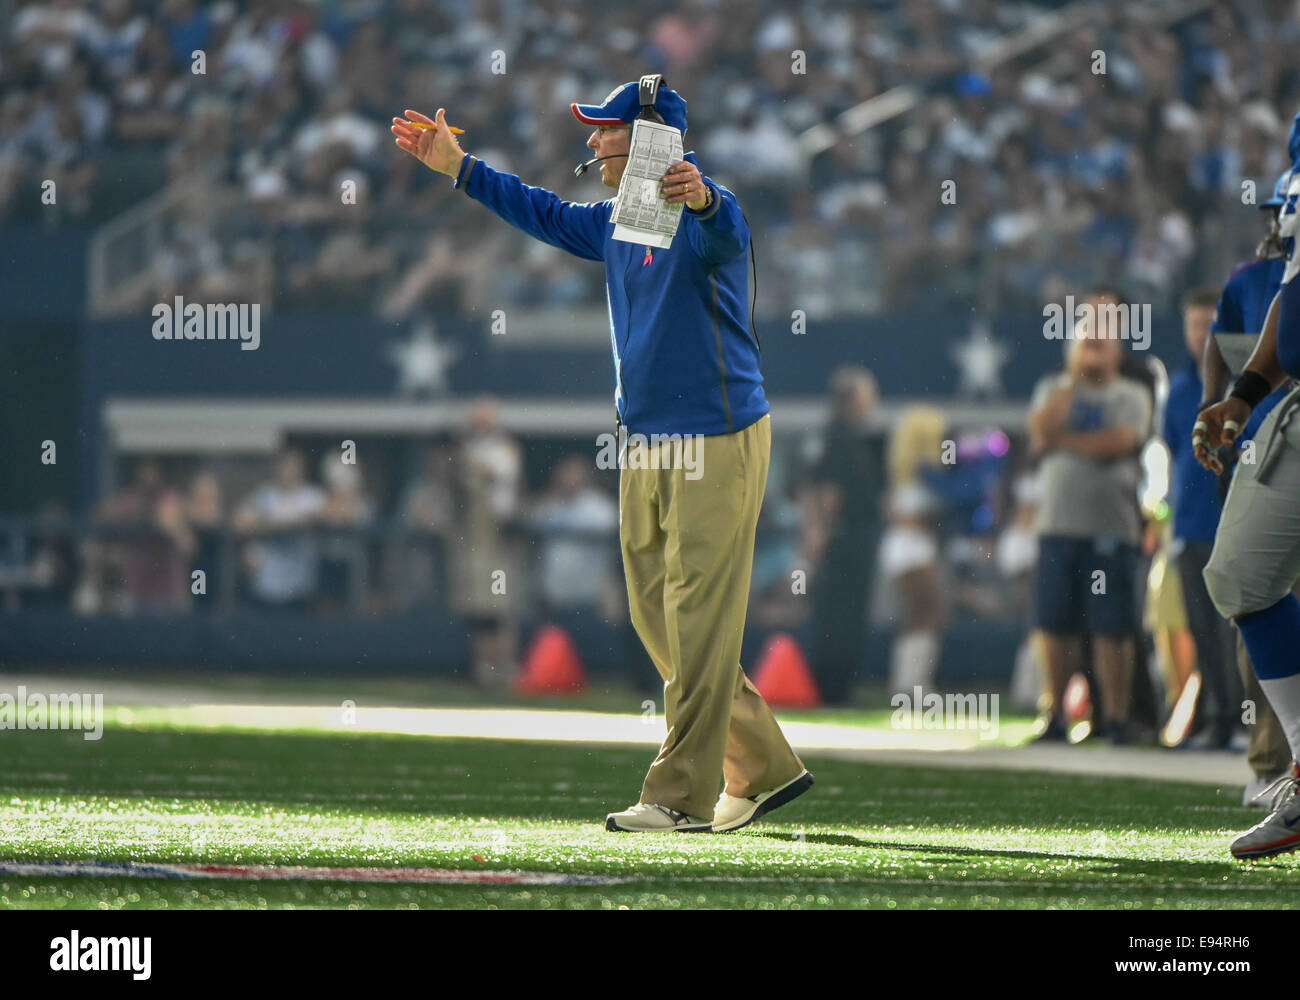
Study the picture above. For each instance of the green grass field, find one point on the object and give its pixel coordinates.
(154, 790)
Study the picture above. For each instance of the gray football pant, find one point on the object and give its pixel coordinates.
(1256, 557)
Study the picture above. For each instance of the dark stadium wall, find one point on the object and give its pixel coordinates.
(42, 299)
(43, 274)
(348, 355)
(38, 387)
(421, 642)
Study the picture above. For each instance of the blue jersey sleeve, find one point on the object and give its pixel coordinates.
(1288, 328)
(1228, 316)
(722, 234)
(578, 228)
(1288, 316)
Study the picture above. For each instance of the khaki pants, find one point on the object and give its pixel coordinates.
(688, 549)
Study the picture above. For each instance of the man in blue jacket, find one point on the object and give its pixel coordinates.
(686, 366)
(1194, 496)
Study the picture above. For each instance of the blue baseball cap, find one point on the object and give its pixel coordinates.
(1279, 192)
(623, 105)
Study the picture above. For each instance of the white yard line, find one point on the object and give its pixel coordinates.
(205, 708)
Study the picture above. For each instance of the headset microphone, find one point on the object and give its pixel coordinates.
(647, 94)
(582, 169)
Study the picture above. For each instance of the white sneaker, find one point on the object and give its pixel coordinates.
(646, 817)
(1256, 794)
(731, 813)
(1280, 830)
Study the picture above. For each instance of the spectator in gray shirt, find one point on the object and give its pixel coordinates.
(283, 560)
(1088, 424)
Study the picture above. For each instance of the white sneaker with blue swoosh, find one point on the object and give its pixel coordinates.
(1280, 831)
(731, 813)
(646, 817)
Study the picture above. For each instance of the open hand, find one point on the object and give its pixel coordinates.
(1216, 427)
(436, 148)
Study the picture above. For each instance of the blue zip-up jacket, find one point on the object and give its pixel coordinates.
(684, 359)
(1193, 491)
(1243, 306)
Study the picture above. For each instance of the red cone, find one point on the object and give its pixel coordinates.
(1078, 700)
(552, 665)
(783, 677)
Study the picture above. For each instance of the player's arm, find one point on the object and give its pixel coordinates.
(579, 229)
(1264, 359)
(1220, 424)
(1215, 374)
(1273, 356)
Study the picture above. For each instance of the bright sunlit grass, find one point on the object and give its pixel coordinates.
(294, 787)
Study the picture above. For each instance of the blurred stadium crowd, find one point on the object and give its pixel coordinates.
(1071, 178)
(314, 531)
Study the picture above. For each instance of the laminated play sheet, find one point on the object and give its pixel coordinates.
(641, 215)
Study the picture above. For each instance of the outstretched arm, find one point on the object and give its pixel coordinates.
(579, 229)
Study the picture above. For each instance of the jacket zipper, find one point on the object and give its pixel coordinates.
(627, 297)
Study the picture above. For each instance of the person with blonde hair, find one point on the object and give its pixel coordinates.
(909, 557)
(917, 440)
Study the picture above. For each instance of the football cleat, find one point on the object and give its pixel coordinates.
(1256, 794)
(1280, 830)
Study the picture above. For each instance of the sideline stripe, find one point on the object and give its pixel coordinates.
(442, 876)
(450, 876)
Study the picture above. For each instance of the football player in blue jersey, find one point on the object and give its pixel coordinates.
(1242, 307)
(1256, 557)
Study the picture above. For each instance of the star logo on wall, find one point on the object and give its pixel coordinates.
(980, 359)
(422, 361)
